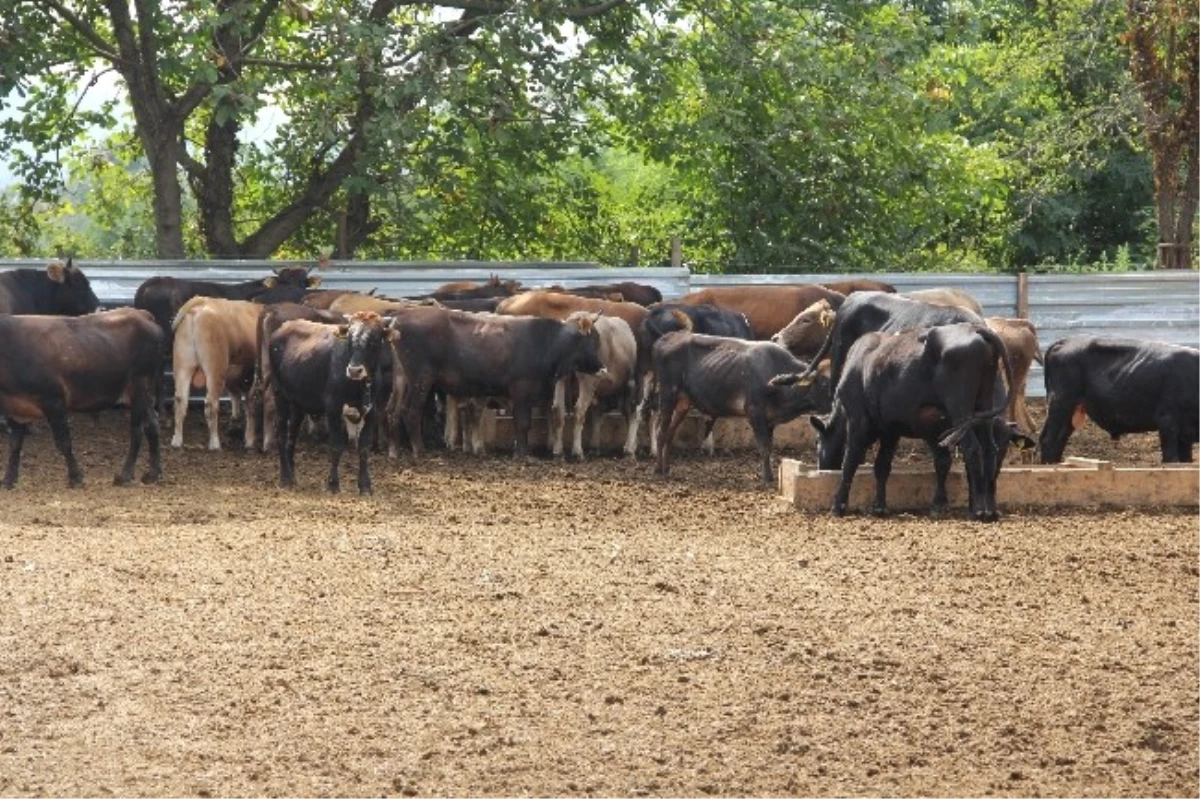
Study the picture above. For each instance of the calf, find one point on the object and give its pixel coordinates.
(215, 349)
(1125, 386)
(57, 290)
(262, 394)
(618, 353)
(940, 384)
(729, 377)
(60, 364)
(806, 333)
(1021, 341)
(318, 368)
(768, 308)
(665, 318)
(484, 355)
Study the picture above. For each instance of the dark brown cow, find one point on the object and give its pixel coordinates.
(467, 290)
(484, 355)
(768, 308)
(626, 290)
(86, 363)
(58, 290)
(328, 369)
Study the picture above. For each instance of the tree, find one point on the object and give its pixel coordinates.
(348, 73)
(1164, 42)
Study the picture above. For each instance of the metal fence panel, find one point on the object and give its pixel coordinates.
(1160, 306)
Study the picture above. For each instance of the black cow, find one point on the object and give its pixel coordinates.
(940, 384)
(729, 377)
(876, 311)
(57, 290)
(164, 296)
(477, 305)
(318, 368)
(1126, 386)
(61, 364)
(485, 355)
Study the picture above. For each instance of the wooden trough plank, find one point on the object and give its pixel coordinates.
(1080, 484)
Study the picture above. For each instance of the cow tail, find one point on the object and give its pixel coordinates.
(183, 311)
(956, 433)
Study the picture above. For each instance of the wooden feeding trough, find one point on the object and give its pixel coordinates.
(1077, 482)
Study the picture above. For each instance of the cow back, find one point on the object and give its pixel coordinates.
(57, 290)
(768, 308)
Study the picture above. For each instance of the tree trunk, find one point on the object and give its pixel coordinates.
(168, 196)
(213, 186)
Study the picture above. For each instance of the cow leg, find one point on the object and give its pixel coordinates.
(364, 453)
(670, 416)
(137, 422)
(287, 427)
(975, 466)
(337, 445)
(857, 444)
(639, 417)
(269, 414)
(710, 443)
(150, 427)
(587, 393)
(236, 406)
(16, 439)
(475, 410)
(183, 374)
(414, 405)
(1168, 440)
(883, 470)
(522, 421)
(558, 416)
(57, 417)
(942, 459)
(450, 432)
(764, 435)
(212, 407)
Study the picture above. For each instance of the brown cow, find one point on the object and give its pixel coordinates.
(805, 334)
(59, 364)
(466, 289)
(768, 308)
(859, 284)
(215, 348)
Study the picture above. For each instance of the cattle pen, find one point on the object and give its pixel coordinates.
(486, 626)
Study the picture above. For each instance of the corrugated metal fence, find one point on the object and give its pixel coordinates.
(1162, 306)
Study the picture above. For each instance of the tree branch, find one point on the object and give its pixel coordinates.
(290, 65)
(98, 43)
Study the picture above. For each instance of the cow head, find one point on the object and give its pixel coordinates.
(297, 276)
(582, 353)
(365, 333)
(70, 292)
(831, 439)
(805, 334)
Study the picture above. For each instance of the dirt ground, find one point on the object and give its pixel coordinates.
(480, 627)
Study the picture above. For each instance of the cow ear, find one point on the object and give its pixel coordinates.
(819, 424)
(827, 318)
(56, 272)
(271, 282)
(313, 282)
(342, 331)
(393, 330)
(585, 325)
(70, 267)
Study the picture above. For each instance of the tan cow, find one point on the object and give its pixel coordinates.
(767, 308)
(618, 353)
(805, 334)
(354, 302)
(1021, 341)
(214, 349)
(950, 297)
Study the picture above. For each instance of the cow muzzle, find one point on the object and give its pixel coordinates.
(356, 372)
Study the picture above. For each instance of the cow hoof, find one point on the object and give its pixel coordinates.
(365, 491)
(9, 484)
(987, 517)
(333, 488)
(939, 511)
(879, 511)
(122, 480)
(150, 478)
(75, 483)
(838, 510)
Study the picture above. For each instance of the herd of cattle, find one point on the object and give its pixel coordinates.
(870, 365)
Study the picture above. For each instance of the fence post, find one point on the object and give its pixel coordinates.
(676, 251)
(1022, 294)
(635, 255)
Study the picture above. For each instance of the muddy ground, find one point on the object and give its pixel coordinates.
(480, 627)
